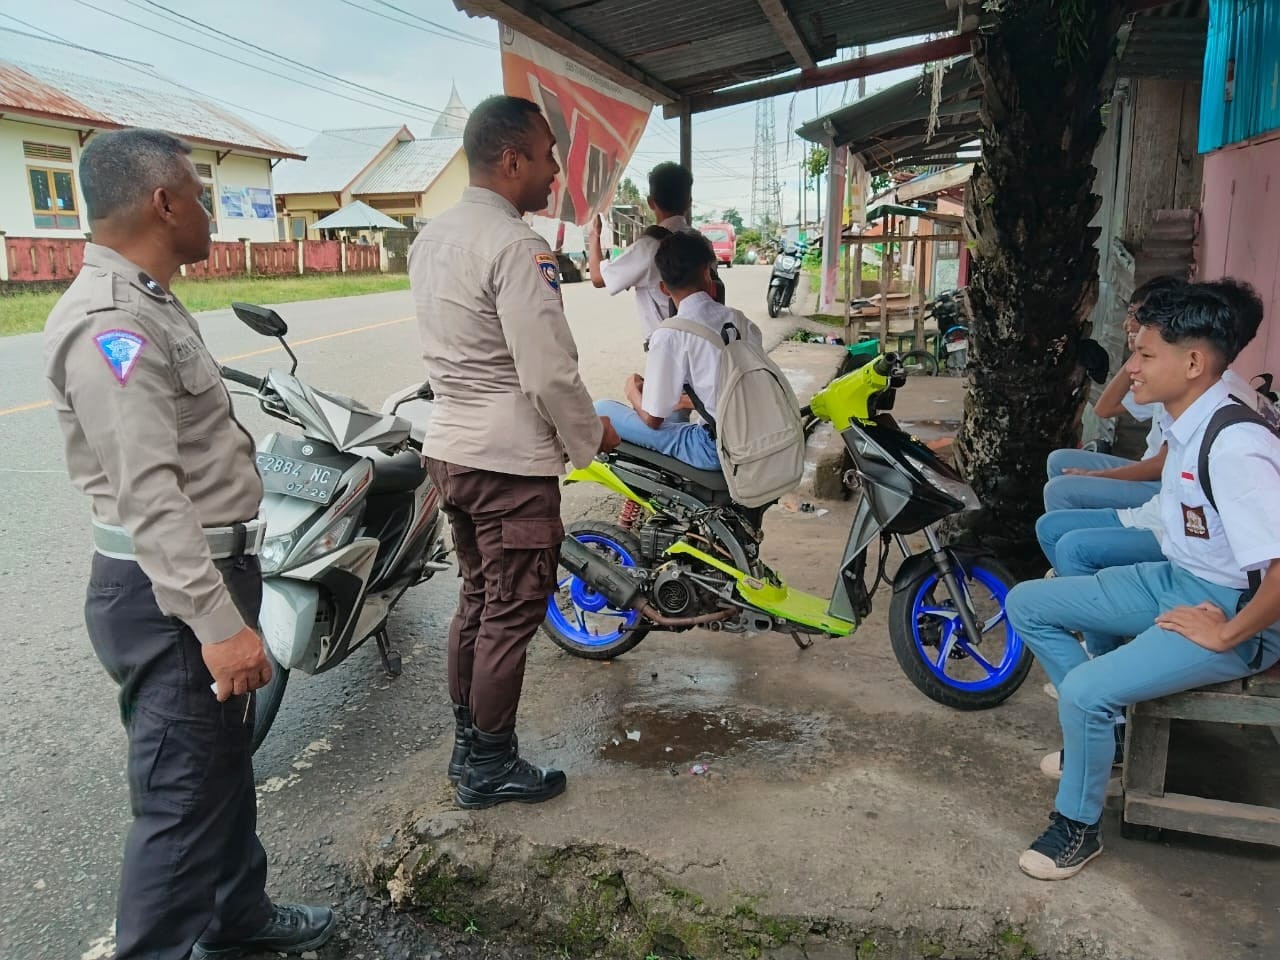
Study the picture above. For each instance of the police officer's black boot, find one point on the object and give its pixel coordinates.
(496, 773)
(292, 929)
(461, 741)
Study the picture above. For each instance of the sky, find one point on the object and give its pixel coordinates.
(413, 56)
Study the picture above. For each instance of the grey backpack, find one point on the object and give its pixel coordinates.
(758, 431)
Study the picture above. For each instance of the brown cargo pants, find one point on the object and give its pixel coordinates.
(506, 533)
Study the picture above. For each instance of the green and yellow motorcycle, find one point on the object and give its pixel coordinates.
(692, 558)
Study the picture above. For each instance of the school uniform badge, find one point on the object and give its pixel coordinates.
(1194, 523)
(121, 349)
(550, 270)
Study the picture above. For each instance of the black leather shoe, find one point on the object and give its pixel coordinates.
(461, 741)
(496, 773)
(292, 929)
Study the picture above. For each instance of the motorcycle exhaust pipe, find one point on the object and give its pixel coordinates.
(622, 592)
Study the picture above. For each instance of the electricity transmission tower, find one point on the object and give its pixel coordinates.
(766, 196)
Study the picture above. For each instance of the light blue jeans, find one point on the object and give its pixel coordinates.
(1088, 493)
(1156, 663)
(1079, 543)
(687, 442)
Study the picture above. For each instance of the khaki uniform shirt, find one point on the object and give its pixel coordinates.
(499, 354)
(149, 431)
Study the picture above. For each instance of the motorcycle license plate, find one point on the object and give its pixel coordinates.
(298, 478)
(954, 345)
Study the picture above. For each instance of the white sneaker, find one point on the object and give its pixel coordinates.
(1051, 691)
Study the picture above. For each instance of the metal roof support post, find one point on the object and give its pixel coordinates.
(686, 136)
(837, 167)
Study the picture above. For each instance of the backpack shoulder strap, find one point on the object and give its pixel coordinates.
(693, 327)
(1223, 417)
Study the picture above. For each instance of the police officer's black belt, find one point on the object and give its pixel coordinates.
(237, 540)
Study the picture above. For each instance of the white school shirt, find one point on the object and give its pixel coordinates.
(677, 357)
(1243, 534)
(635, 270)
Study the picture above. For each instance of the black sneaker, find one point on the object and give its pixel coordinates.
(1062, 850)
(292, 929)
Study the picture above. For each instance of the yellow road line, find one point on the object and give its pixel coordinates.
(22, 408)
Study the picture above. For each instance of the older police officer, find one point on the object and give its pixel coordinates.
(175, 586)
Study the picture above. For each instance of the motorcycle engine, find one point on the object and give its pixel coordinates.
(657, 536)
(678, 594)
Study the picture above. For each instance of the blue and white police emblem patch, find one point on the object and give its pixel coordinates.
(549, 269)
(121, 349)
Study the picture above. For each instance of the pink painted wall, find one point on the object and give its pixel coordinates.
(1240, 235)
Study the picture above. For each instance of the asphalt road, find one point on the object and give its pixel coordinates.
(63, 797)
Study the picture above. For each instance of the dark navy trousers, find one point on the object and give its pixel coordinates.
(193, 866)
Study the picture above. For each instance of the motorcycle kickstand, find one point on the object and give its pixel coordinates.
(391, 661)
(801, 643)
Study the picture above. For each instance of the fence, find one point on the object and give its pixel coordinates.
(225, 260)
(28, 259)
(39, 260)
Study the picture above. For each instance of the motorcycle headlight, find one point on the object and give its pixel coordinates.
(956, 489)
(274, 552)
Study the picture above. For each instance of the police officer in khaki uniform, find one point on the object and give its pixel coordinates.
(175, 586)
(510, 407)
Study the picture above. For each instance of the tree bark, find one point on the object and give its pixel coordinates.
(1046, 70)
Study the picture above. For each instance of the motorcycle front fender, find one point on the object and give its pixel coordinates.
(287, 620)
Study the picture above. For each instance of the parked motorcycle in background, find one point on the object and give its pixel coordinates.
(785, 276)
(352, 520)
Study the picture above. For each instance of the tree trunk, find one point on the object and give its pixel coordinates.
(1046, 71)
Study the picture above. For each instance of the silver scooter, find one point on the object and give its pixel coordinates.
(352, 520)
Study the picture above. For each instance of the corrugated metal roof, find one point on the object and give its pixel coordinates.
(410, 167)
(889, 126)
(694, 48)
(51, 93)
(334, 159)
(356, 215)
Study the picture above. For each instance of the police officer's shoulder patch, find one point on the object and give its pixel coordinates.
(121, 349)
(550, 270)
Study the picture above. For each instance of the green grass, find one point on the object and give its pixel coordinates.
(27, 312)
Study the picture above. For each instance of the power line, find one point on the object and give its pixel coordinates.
(415, 26)
(62, 43)
(148, 71)
(458, 33)
(187, 21)
(243, 63)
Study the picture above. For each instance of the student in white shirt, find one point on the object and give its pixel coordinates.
(670, 197)
(1084, 479)
(1194, 618)
(679, 364)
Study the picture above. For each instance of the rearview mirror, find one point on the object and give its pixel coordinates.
(260, 319)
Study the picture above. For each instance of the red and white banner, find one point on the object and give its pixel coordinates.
(596, 123)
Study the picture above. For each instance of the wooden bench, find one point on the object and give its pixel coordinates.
(1148, 809)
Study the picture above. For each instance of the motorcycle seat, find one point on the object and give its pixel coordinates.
(710, 483)
(402, 473)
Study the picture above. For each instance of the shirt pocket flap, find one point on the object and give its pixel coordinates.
(196, 369)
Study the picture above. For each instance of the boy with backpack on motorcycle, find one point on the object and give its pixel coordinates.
(681, 368)
(1208, 613)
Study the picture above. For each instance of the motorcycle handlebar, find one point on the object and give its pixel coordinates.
(242, 378)
(886, 364)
